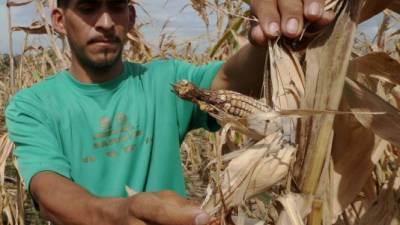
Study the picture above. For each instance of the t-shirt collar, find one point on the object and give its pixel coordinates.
(96, 88)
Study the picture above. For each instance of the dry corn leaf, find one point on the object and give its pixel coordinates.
(200, 7)
(33, 48)
(7, 207)
(383, 212)
(362, 203)
(295, 208)
(6, 147)
(42, 12)
(359, 98)
(353, 144)
(243, 219)
(227, 35)
(10, 213)
(378, 65)
(252, 172)
(11, 3)
(380, 37)
(265, 123)
(36, 27)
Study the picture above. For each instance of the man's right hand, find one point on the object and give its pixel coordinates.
(64, 202)
(164, 208)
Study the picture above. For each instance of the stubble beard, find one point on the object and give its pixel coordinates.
(97, 67)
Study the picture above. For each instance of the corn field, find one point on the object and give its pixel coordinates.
(320, 146)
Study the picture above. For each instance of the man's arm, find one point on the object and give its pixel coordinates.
(242, 72)
(373, 7)
(64, 202)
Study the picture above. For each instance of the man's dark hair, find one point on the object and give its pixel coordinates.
(62, 3)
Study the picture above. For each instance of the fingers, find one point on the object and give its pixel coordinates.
(167, 210)
(285, 17)
(134, 221)
(257, 36)
(268, 16)
(313, 9)
(291, 17)
(325, 19)
(173, 198)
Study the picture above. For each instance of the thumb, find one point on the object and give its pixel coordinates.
(161, 211)
(188, 215)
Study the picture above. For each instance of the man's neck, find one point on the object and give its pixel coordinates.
(87, 74)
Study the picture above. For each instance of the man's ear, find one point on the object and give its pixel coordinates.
(132, 15)
(57, 17)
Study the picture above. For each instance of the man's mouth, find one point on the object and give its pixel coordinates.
(105, 41)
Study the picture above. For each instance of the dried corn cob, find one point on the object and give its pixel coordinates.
(230, 102)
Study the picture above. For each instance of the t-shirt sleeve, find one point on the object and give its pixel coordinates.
(37, 148)
(202, 76)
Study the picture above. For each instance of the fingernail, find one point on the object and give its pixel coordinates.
(314, 9)
(202, 219)
(292, 26)
(273, 28)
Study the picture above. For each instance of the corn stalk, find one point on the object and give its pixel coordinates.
(11, 50)
(327, 59)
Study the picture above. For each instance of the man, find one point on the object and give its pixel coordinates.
(85, 133)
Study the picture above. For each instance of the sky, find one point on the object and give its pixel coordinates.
(183, 22)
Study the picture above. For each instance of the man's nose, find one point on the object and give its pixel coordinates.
(105, 22)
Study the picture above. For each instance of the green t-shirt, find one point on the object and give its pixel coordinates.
(126, 131)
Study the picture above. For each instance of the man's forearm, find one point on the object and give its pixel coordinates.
(243, 72)
(64, 202)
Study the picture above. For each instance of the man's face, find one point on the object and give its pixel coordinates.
(96, 30)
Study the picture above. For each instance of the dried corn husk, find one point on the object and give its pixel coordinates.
(285, 86)
(287, 78)
(252, 172)
(295, 208)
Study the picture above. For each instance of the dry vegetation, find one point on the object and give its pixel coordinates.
(325, 152)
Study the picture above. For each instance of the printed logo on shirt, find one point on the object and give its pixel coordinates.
(113, 132)
(112, 154)
(89, 159)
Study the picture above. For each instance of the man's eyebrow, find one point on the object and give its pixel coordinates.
(91, 1)
(110, 1)
(99, 1)
(118, 1)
